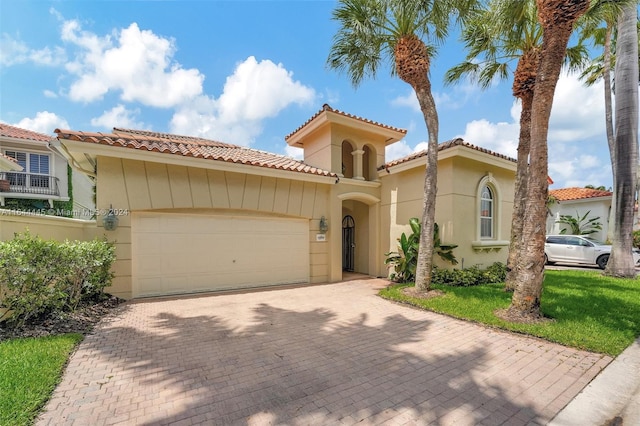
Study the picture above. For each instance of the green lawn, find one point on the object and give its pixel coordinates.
(590, 311)
(29, 371)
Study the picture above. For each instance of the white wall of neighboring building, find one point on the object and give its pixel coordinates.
(597, 207)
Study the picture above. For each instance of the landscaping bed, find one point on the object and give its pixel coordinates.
(81, 321)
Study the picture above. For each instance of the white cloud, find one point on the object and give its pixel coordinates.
(254, 92)
(576, 127)
(49, 94)
(118, 116)
(44, 122)
(13, 52)
(294, 152)
(137, 63)
(259, 90)
(456, 98)
(578, 111)
(499, 137)
(409, 100)
(397, 150)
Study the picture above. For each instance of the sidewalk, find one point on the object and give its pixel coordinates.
(612, 398)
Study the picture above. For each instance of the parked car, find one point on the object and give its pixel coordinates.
(579, 249)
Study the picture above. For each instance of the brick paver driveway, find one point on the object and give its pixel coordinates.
(320, 355)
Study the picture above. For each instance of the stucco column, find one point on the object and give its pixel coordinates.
(335, 236)
(357, 164)
(376, 260)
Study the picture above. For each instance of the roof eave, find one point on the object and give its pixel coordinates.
(331, 117)
(86, 152)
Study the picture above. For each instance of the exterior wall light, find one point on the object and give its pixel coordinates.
(324, 225)
(110, 220)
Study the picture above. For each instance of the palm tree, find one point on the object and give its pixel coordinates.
(405, 33)
(626, 143)
(598, 25)
(557, 18)
(503, 33)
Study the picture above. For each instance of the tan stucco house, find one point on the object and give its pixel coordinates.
(199, 215)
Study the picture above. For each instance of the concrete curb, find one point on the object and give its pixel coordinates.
(612, 398)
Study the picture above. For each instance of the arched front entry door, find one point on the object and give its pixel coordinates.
(348, 243)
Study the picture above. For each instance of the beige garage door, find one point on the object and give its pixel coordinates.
(180, 253)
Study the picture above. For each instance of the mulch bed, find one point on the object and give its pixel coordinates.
(81, 321)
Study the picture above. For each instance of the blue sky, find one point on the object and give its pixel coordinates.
(249, 73)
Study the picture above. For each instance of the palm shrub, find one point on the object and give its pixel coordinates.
(580, 225)
(405, 260)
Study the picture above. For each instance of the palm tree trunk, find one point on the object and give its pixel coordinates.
(626, 146)
(557, 18)
(608, 112)
(425, 252)
(520, 192)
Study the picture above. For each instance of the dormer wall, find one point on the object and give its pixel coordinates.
(349, 146)
(345, 151)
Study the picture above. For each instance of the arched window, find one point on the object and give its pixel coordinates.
(489, 221)
(487, 213)
(347, 159)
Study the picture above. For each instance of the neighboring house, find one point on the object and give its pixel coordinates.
(199, 215)
(42, 178)
(577, 202)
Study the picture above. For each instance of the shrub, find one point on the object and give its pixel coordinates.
(88, 270)
(38, 277)
(471, 276)
(30, 271)
(405, 260)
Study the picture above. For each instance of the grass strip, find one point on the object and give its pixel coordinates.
(30, 369)
(590, 311)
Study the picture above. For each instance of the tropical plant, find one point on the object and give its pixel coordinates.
(580, 225)
(496, 37)
(405, 33)
(621, 263)
(557, 18)
(404, 261)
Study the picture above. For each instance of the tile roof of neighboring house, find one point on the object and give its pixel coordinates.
(6, 157)
(326, 107)
(192, 147)
(9, 131)
(441, 147)
(567, 194)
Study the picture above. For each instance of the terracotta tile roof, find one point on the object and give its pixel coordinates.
(6, 157)
(567, 194)
(192, 147)
(192, 140)
(326, 107)
(441, 147)
(9, 131)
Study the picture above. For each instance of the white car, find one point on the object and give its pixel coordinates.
(579, 249)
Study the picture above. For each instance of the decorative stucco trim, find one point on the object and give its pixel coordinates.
(359, 196)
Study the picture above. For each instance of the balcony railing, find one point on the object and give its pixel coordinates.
(28, 183)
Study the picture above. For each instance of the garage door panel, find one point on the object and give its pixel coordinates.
(181, 253)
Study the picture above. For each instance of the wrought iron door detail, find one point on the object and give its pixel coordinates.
(348, 243)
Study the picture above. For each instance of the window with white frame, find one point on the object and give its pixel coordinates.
(486, 212)
(36, 165)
